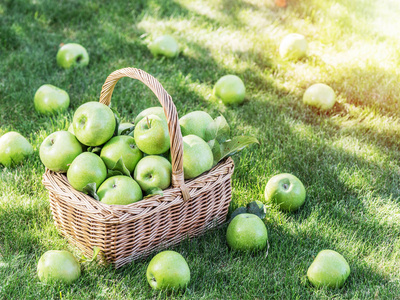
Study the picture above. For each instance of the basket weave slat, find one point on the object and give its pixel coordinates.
(128, 232)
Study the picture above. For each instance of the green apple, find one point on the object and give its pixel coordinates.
(151, 135)
(285, 190)
(164, 45)
(197, 156)
(14, 148)
(123, 126)
(328, 269)
(58, 151)
(94, 123)
(320, 95)
(58, 266)
(86, 168)
(72, 55)
(153, 173)
(119, 190)
(195, 123)
(230, 89)
(293, 47)
(168, 270)
(124, 147)
(247, 232)
(156, 110)
(50, 99)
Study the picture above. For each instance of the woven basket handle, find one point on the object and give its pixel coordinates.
(170, 113)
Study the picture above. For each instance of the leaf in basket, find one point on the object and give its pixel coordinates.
(120, 167)
(90, 189)
(111, 173)
(128, 131)
(238, 211)
(237, 143)
(256, 208)
(94, 149)
(117, 121)
(153, 192)
(218, 130)
(216, 151)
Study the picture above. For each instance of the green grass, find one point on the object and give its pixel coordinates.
(347, 158)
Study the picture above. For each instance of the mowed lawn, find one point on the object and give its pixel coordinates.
(348, 158)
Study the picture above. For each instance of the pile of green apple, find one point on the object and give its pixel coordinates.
(118, 163)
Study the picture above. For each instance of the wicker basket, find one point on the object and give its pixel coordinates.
(128, 232)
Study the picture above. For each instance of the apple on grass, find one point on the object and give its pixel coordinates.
(58, 266)
(151, 135)
(58, 151)
(168, 270)
(14, 148)
(320, 95)
(230, 89)
(285, 190)
(72, 55)
(119, 190)
(247, 232)
(121, 147)
(50, 99)
(293, 47)
(197, 156)
(164, 45)
(156, 110)
(196, 123)
(93, 123)
(153, 173)
(86, 168)
(328, 269)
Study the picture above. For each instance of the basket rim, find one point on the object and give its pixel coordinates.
(57, 183)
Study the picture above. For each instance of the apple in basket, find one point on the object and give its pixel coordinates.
(121, 147)
(58, 266)
(197, 156)
(119, 190)
(151, 135)
(328, 269)
(50, 99)
(72, 55)
(14, 148)
(87, 168)
(230, 89)
(156, 110)
(247, 232)
(153, 173)
(195, 122)
(168, 270)
(93, 123)
(59, 150)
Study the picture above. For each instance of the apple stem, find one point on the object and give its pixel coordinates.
(52, 141)
(148, 122)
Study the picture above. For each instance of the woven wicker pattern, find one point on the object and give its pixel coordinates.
(127, 232)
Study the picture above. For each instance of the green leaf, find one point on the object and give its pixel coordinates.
(96, 251)
(94, 149)
(90, 189)
(154, 191)
(218, 130)
(128, 131)
(120, 167)
(238, 211)
(111, 173)
(237, 143)
(257, 209)
(216, 151)
(117, 120)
